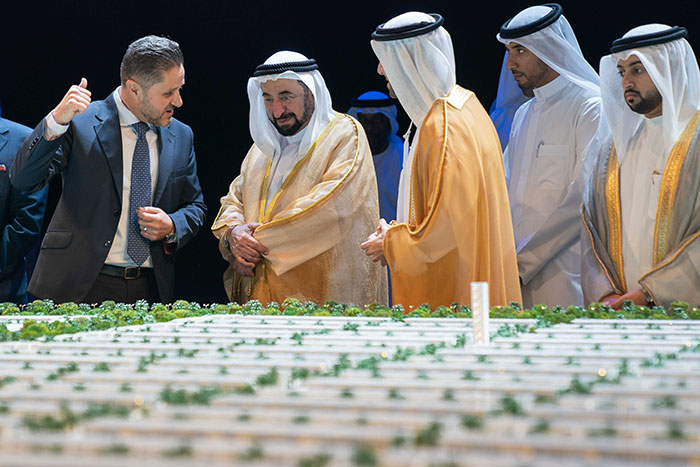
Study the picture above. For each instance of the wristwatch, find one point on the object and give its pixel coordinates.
(171, 237)
(648, 298)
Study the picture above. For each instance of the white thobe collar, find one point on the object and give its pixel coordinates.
(551, 89)
(294, 139)
(657, 122)
(648, 125)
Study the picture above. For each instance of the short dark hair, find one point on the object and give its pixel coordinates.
(147, 58)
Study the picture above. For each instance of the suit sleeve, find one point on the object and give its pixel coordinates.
(39, 160)
(23, 229)
(191, 213)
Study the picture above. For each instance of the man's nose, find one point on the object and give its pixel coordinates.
(626, 81)
(510, 63)
(177, 100)
(277, 109)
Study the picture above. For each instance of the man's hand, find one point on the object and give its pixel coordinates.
(374, 246)
(246, 250)
(614, 301)
(154, 222)
(74, 102)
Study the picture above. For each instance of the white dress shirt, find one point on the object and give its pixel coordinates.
(117, 255)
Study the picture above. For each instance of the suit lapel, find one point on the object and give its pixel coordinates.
(109, 136)
(166, 141)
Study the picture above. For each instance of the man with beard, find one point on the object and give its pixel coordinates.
(545, 156)
(453, 223)
(642, 208)
(305, 197)
(131, 197)
(377, 113)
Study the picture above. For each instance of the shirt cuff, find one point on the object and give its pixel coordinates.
(53, 129)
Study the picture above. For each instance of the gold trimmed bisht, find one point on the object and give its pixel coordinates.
(459, 227)
(675, 274)
(312, 226)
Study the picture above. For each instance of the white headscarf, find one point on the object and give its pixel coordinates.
(420, 69)
(673, 69)
(555, 45)
(506, 103)
(264, 134)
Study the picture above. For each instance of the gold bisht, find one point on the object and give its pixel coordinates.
(312, 226)
(459, 228)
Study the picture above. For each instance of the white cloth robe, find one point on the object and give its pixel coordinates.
(641, 171)
(546, 171)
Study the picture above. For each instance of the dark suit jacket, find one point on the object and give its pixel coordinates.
(89, 158)
(21, 216)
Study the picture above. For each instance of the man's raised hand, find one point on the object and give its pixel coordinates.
(74, 102)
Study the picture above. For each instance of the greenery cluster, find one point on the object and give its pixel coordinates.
(67, 418)
(109, 314)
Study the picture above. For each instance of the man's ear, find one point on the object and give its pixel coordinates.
(133, 87)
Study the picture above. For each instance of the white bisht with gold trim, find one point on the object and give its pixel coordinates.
(312, 226)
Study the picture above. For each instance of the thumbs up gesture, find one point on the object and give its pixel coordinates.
(74, 102)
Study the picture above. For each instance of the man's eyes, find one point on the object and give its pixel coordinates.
(285, 98)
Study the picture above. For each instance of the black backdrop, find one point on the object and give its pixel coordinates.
(46, 46)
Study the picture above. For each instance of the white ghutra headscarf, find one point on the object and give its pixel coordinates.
(671, 65)
(287, 65)
(418, 58)
(555, 44)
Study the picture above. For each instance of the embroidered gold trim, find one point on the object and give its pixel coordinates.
(669, 187)
(438, 185)
(216, 220)
(298, 166)
(270, 208)
(262, 204)
(612, 201)
(672, 258)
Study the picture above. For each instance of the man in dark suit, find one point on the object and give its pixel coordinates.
(131, 197)
(21, 215)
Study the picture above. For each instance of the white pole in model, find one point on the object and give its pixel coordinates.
(480, 312)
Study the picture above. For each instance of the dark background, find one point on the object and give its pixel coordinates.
(47, 46)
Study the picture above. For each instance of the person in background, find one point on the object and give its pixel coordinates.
(21, 217)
